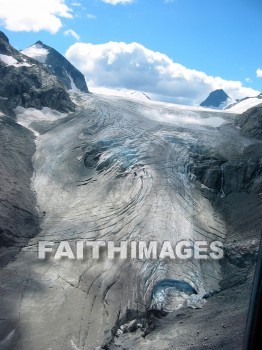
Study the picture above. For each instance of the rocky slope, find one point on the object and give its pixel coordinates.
(250, 122)
(26, 82)
(19, 219)
(216, 99)
(117, 170)
(57, 65)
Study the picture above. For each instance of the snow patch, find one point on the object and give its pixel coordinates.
(73, 86)
(11, 61)
(37, 52)
(244, 105)
(223, 104)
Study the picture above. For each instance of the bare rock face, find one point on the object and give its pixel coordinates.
(19, 217)
(243, 173)
(216, 99)
(26, 82)
(250, 122)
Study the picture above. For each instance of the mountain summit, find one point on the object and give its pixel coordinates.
(26, 82)
(217, 99)
(57, 65)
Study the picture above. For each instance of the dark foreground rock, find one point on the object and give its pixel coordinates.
(250, 122)
(19, 217)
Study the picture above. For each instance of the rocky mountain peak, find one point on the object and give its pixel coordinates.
(5, 47)
(26, 82)
(57, 65)
(3, 38)
(216, 99)
(39, 42)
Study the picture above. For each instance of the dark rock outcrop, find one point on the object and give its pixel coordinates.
(7, 49)
(216, 99)
(19, 219)
(27, 83)
(59, 66)
(223, 176)
(250, 122)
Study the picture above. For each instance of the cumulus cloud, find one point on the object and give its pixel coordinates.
(72, 33)
(259, 73)
(32, 15)
(116, 2)
(132, 66)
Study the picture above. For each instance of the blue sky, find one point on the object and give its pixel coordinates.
(221, 38)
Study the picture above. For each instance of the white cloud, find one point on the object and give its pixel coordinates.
(90, 16)
(116, 2)
(248, 80)
(72, 33)
(77, 4)
(259, 73)
(33, 15)
(132, 66)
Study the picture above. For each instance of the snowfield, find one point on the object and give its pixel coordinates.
(244, 105)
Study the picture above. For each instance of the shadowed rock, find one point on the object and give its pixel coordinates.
(250, 122)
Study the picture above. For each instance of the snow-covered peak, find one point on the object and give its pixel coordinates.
(26, 82)
(57, 65)
(36, 51)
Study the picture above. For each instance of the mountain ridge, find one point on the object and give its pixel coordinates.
(26, 82)
(57, 65)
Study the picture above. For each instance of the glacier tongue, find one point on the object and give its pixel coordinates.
(116, 170)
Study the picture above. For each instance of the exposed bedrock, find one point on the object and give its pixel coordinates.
(26, 82)
(19, 219)
(250, 122)
(112, 172)
(243, 173)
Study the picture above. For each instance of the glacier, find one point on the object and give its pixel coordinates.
(124, 169)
